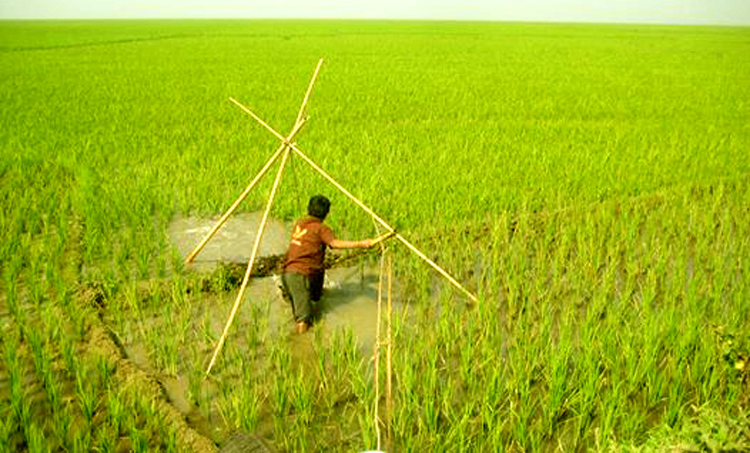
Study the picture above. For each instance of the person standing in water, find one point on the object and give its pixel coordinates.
(302, 280)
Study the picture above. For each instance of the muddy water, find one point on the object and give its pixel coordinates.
(232, 243)
(350, 296)
(349, 299)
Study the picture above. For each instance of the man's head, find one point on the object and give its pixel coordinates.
(318, 207)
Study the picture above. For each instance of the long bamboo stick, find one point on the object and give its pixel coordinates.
(376, 355)
(262, 123)
(297, 126)
(388, 365)
(254, 253)
(384, 224)
(286, 141)
(360, 204)
(242, 196)
(309, 90)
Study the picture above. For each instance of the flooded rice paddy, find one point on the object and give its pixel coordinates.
(349, 303)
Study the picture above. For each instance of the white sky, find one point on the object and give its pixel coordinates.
(723, 12)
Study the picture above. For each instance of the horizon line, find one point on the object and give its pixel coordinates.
(381, 19)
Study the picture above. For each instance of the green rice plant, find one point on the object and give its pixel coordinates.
(68, 350)
(176, 261)
(54, 392)
(6, 430)
(105, 440)
(11, 292)
(366, 430)
(35, 439)
(138, 441)
(61, 424)
(81, 440)
(302, 397)
(195, 378)
(459, 437)
(19, 404)
(86, 394)
(40, 354)
(281, 395)
(171, 440)
(143, 264)
(249, 409)
(115, 412)
(208, 336)
(558, 380)
(161, 265)
(162, 342)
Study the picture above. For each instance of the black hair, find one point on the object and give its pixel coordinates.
(318, 206)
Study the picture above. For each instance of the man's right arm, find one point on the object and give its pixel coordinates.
(340, 244)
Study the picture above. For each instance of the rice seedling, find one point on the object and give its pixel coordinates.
(35, 439)
(6, 429)
(86, 397)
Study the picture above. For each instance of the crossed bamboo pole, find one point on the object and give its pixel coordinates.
(283, 148)
(382, 222)
(243, 195)
(299, 122)
(287, 145)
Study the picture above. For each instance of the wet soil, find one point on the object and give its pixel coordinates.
(351, 285)
(349, 302)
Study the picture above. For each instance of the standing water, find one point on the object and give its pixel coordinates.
(350, 296)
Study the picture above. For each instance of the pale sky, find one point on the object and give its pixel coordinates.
(720, 12)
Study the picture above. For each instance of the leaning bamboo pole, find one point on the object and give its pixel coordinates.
(309, 90)
(376, 354)
(242, 196)
(297, 126)
(388, 356)
(403, 240)
(286, 142)
(254, 253)
(385, 225)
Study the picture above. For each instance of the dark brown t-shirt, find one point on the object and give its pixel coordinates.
(307, 249)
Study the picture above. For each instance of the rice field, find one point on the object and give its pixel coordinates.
(590, 183)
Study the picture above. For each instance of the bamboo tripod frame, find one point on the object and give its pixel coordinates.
(285, 149)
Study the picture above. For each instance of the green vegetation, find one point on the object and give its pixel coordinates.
(589, 183)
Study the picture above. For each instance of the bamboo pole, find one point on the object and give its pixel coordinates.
(384, 224)
(284, 147)
(388, 363)
(403, 240)
(309, 90)
(245, 280)
(242, 196)
(376, 354)
(297, 126)
(293, 146)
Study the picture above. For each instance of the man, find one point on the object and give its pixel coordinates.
(303, 264)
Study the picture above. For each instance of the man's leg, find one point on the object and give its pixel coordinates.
(316, 291)
(298, 288)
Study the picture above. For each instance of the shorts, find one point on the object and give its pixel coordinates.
(303, 292)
